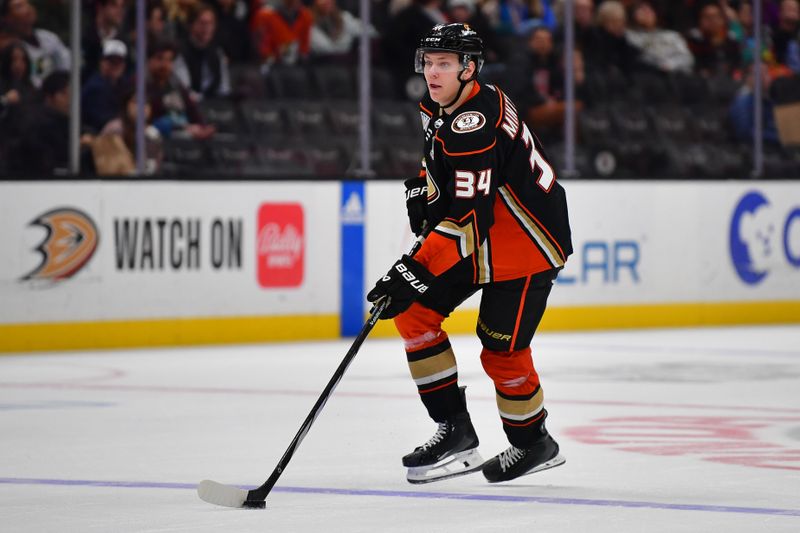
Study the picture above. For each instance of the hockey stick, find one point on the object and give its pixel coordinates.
(229, 496)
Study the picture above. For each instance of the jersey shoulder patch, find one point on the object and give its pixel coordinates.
(468, 121)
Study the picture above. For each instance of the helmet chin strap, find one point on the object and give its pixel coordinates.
(463, 83)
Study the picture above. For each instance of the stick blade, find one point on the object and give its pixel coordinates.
(224, 495)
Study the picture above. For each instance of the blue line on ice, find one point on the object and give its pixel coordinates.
(508, 498)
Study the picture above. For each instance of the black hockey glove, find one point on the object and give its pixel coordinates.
(417, 203)
(404, 283)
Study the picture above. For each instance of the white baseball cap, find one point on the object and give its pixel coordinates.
(468, 4)
(114, 48)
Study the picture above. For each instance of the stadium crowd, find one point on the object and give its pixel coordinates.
(268, 87)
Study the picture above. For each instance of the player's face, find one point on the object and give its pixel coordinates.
(441, 74)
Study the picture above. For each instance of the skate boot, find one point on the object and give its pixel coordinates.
(451, 452)
(515, 462)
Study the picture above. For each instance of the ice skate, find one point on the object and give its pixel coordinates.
(515, 462)
(451, 452)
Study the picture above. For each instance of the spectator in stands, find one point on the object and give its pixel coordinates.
(43, 148)
(55, 15)
(741, 111)
(544, 69)
(175, 113)
(606, 48)
(787, 33)
(156, 22)
(518, 17)
(770, 12)
(793, 56)
(283, 34)
(741, 25)
(584, 15)
(542, 99)
(661, 49)
(107, 24)
(405, 29)
(101, 95)
(233, 34)
(5, 34)
(17, 94)
(713, 45)
(16, 88)
(469, 12)
(334, 32)
(202, 65)
(177, 13)
(45, 49)
(115, 147)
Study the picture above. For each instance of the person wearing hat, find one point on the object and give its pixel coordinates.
(106, 24)
(101, 95)
(495, 222)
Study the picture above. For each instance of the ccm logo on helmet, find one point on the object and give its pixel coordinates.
(70, 243)
(415, 283)
(468, 121)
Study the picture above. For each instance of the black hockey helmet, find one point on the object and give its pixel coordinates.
(457, 38)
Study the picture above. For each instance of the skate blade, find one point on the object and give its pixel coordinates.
(558, 460)
(460, 464)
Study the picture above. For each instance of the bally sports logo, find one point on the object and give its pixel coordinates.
(280, 246)
(69, 244)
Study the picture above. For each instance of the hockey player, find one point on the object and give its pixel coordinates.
(498, 224)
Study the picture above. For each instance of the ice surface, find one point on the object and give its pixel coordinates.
(663, 431)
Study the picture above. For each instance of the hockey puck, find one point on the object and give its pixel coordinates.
(254, 504)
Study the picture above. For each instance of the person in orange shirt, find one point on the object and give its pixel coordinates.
(282, 34)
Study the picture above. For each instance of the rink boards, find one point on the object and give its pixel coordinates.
(127, 263)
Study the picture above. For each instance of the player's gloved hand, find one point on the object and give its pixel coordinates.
(404, 283)
(417, 203)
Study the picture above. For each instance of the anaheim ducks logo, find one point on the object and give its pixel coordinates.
(70, 243)
(468, 121)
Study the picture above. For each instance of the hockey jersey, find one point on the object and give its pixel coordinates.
(493, 198)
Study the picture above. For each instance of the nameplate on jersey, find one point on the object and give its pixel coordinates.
(510, 120)
(468, 121)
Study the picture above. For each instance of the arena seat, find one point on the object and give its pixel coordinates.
(266, 119)
(309, 120)
(283, 159)
(235, 156)
(186, 157)
(334, 82)
(292, 82)
(396, 121)
(224, 115)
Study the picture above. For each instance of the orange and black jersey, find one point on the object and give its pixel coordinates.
(492, 193)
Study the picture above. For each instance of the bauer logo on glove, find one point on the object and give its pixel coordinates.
(404, 283)
(417, 191)
(410, 278)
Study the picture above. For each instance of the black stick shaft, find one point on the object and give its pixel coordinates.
(261, 492)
